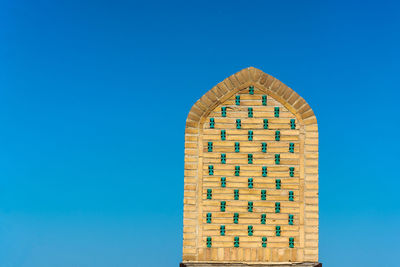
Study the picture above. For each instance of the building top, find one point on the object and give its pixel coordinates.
(251, 174)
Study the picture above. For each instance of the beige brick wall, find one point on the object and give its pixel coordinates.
(304, 184)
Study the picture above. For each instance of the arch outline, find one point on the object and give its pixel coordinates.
(193, 156)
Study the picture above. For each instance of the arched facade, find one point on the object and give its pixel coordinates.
(251, 174)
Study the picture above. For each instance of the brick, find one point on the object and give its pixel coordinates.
(191, 173)
(311, 258)
(189, 215)
(311, 201)
(311, 208)
(191, 123)
(275, 255)
(242, 77)
(234, 81)
(214, 254)
(311, 193)
(240, 254)
(192, 152)
(300, 255)
(188, 257)
(299, 103)
(189, 236)
(263, 78)
(255, 74)
(191, 130)
(189, 193)
(190, 166)
(308, 114)
(212, 96)
(201, 254)
(313, 128)
(282, 89)
(191, 159)
(304, 108)
(199, 105)
(312, 134)
(189, 229)
(191, 138)
(189, 201)
(227, 254)
(310, 252)
(284, 254)
(312, 186)
(228, 84)
(193, 117)
(189, 250)
(190, 187)
(270, 80)
(312, 237)
(311, 230)
(197, 109)
(310, 120)
(220, 254)
(310, 177)
(293, 98)
(312, 170)
(293, 254)
(246, 75)
(190, 144)
(222, 87)
(202, 106)
(312, 222)
(207, 254)
(206, 101)
(286, 95)
(189, 243)
(311, 141)
(311, 162)
(218, 94)
(189, 208)
(275, 85)
(190, 180)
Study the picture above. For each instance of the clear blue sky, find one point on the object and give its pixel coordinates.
(93, 101)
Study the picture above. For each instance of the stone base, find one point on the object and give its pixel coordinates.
(209, 264)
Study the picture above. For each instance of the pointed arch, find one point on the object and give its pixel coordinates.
(308, 249)
(289, 98)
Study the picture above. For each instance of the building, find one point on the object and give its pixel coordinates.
(251, 175)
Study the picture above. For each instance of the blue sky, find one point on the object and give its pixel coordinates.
(93, 101)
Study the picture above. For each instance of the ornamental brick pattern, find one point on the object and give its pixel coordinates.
(251, 174)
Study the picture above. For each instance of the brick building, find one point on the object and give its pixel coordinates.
(251, 175)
